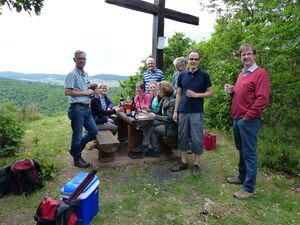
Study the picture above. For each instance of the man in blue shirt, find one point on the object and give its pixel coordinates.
(193, 85)
(77, 88)
(151, 74)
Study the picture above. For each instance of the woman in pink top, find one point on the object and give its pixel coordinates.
(142, 99)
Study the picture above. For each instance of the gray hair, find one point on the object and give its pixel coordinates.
(246, 47)
(180, 60)
(78, 52)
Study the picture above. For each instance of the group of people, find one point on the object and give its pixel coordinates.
(177, 110)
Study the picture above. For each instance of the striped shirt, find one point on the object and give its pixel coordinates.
(148, 76)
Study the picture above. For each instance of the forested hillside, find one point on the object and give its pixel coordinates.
(48, 99)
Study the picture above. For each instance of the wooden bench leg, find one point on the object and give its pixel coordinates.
(165, 148)
(105, 157)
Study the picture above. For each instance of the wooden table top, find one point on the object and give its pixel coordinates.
(140, 123)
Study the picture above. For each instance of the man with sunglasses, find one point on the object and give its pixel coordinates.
(250, 96)
(194, 85)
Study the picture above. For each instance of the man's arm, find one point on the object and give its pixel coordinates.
(207, 93)
(177, 101)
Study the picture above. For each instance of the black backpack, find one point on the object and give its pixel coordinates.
(5, 181)
(26, 176)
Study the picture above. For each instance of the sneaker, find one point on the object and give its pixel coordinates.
(196, 170)
(234, 180)
(243, 195)
(81, 164)
(179, 166)
(189, 151)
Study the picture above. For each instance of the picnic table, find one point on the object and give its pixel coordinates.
(131, 129)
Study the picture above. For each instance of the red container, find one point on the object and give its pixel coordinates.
(129, 106)
(210, 141)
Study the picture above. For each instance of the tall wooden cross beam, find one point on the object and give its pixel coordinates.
(159, 12)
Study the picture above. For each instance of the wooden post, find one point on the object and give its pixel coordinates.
(159, 13)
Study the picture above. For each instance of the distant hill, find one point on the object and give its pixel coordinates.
(110, 79)
(48, 99)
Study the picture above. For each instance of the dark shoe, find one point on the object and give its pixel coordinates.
(140, 149)
(179, 166)
(152, 153)
(243, 195)
(81, 164)
(196, 170)
(136, 155)
(234, 180)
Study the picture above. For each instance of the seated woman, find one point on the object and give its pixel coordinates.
(100, 112)
(106, 103)
(154, 106)
(163, 126)
(142, 100)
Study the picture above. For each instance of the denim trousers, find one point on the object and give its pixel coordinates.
(245, 137)
(81, 117)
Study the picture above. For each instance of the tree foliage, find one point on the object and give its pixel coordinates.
(23, 5)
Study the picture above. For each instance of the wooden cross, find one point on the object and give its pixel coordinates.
(159, 12)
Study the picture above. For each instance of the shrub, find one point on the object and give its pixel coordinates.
(279, 149)
(11, 129)
(30, 113)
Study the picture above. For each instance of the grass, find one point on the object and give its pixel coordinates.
(151, 194)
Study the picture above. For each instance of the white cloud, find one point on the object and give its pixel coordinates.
(115, 39)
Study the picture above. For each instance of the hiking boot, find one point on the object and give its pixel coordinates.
(81, 164)
(234, 180)
(196, 170)
(243, 195)
(179, 166)
(152, 153)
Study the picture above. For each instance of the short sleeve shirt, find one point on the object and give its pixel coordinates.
(78, 80)
(198, 82)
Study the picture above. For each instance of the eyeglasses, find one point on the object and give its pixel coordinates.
(247, 54)
(193, 59)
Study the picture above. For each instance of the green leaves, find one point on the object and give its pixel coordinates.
(26, 5)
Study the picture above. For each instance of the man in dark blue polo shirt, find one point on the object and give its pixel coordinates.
(193, 85)
(77, 88)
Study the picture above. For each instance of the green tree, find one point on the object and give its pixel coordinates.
(25, 5)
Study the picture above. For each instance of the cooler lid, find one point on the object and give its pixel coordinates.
(74, 183)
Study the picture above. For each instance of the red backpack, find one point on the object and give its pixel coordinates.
(51, 212)
(26, 176)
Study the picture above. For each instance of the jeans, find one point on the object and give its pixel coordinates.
(245, 137)
(81, 117)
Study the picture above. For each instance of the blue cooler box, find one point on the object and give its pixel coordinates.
(89, 197)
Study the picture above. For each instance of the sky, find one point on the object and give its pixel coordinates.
(116, 39)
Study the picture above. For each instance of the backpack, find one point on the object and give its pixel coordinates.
(5, 181)
(26, 176)
(51, 212)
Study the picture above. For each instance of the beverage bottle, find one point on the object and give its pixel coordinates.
(121, 100)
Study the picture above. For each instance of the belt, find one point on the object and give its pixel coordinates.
(80, 105)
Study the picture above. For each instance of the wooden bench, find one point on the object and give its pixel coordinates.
(107, 144)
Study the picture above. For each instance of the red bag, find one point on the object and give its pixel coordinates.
(210, 141)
